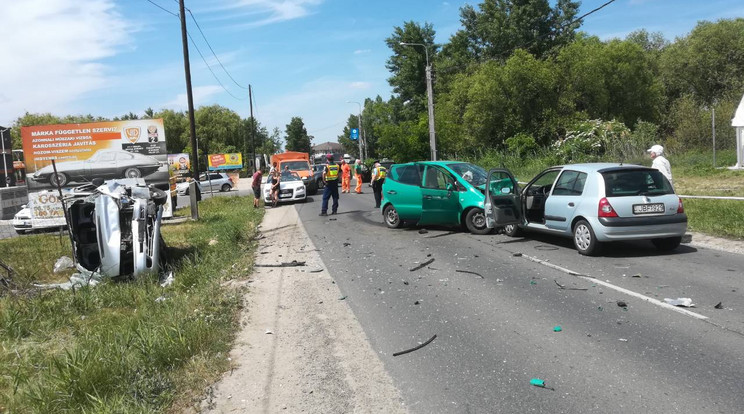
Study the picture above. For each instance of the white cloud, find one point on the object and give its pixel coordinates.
(202, 95)
(52, 52)
(360, 85)
(273, 11)
(362, 51)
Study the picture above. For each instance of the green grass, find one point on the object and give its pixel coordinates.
(113, 348)
(723, 218)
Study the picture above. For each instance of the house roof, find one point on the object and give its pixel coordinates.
(328, 146)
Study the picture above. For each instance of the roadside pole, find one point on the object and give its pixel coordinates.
(190, 96)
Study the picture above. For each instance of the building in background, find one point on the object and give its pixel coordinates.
(321, 150)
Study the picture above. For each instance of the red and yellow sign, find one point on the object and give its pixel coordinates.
(233, 161)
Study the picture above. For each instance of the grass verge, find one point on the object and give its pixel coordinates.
(127, 347)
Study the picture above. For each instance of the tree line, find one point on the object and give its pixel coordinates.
(520, 76)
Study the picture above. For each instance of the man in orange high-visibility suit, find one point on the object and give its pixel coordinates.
(358, 175)
(345, 177)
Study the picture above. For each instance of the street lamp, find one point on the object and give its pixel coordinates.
(430, 98)
(361, 130)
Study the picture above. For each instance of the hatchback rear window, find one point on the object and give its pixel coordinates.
(636, 182)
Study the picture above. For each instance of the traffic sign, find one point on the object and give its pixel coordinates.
(354, 135)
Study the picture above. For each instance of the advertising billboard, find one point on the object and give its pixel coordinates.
(82, 152)
(179, 164)
(232, 161)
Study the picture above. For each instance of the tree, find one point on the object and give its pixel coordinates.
(296, 136)
(407, 64)
(272, 144)
(707, 64)
(499, 27)
(176, 130)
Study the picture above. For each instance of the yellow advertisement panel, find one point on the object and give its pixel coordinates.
(232, 161)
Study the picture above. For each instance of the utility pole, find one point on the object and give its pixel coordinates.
(253, 129)
(430, 99)
(190, 96)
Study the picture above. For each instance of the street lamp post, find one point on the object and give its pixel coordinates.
(430, 98)
(361, 130)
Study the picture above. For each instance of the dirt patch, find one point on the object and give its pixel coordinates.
(717, 243)
(301, 349)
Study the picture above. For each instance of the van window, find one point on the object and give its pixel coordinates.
(406, 174)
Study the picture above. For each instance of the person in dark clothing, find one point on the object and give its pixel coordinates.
(378, 178)
(330, 177)
(275, 188)
(256, 186)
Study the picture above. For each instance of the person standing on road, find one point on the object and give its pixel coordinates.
(275, 184)
(256, 186)
(358, 175)
(345, 177)
(330, 177)
(378, 178)
(660, 162)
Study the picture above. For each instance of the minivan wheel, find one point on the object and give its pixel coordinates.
(584, 240)
(475, 221)
(512, 230)
(392, 219)
(667, 244)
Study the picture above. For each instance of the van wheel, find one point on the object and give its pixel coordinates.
(667, 244)
(512, 230)
(475, 221)
(584, 240)
(392, 219)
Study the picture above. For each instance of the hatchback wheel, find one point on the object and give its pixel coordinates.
(584, 240)
(225, 188)
(392, 219)
(475, 221)
(512, 230)
(667, 244)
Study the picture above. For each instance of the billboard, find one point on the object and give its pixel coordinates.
(179, 164)
(232, 161)
(82, 152)
(119, 149)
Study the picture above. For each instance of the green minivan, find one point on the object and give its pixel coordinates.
(435, 193)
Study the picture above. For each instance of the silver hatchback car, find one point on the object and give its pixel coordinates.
(591, 203)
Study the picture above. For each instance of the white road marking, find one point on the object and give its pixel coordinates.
(618, 288)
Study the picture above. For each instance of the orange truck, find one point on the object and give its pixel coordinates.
(298, 162)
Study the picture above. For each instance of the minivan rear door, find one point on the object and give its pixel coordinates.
(502, 204)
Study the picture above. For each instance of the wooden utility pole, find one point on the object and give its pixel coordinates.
(253, 129)
(190, 96)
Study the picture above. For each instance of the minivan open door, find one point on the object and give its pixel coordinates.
(502, 202)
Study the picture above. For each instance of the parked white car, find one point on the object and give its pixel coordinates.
(208, 183)
(291, 188)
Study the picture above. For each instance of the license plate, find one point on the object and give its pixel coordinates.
(286, 195)
(648, 208)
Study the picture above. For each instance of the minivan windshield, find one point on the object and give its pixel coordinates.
(623, 183)
(471, 173)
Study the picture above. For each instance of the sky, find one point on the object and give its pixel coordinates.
(306, 58)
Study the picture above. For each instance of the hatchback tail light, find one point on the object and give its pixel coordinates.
(605, 209)
(680, 207)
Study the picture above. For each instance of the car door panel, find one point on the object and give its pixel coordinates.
(440, 200)
(564, 200)
(502, 201)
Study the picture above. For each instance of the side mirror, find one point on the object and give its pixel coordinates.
(450, 187)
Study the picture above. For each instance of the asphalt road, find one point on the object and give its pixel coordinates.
(495, 327)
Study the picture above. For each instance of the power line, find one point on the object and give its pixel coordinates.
(212, 71)
(163, 8)
(214, 54)
(200, 53)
